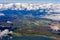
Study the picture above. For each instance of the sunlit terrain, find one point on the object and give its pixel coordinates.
(29, 19)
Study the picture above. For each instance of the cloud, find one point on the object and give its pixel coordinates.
(55, 28)
(53, 16)
(2, 14)
(30, 6)
(5, 33)
(9, 22)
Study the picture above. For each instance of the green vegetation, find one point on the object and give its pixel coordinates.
(36, 28)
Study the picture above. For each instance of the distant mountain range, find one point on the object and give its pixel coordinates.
(30, 10)
(31, 6)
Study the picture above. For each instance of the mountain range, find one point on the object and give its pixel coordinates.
(31, 10)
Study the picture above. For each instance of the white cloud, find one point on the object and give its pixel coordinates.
(30, 6)
(9, 22)
(5, 33)
(55, 28)
(2, 14)
(1, 6)
(53, 16)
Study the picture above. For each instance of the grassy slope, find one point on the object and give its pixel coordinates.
(35, 24)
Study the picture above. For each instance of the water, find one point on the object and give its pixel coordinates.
(28, 38)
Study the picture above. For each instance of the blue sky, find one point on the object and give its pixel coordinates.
(30, 1)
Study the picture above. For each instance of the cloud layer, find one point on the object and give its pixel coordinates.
(30, 6)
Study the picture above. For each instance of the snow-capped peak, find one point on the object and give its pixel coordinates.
(30, 6)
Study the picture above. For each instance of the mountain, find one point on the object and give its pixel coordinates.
(28, 18)
(29, 6)
(30, 10)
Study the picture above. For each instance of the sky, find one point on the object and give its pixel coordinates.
(29, 1)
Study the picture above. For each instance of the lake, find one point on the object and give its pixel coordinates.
(27, 38)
